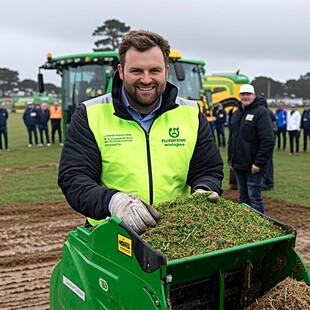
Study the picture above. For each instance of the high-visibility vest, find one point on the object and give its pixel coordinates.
(55, 113)
(152, 166)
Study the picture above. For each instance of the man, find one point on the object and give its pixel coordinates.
(305, 124)
(30, 118)
(56, 116)
(293, 129)
(140, 145)
(250, 145)
(220, 115)
(268, 175)
(43, 118)
(281, 116)
(4, 115)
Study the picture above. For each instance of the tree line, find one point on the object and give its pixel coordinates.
(111, 32)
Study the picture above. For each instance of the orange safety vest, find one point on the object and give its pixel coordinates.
(55, 113)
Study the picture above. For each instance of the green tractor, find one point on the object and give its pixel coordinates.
(88, 75)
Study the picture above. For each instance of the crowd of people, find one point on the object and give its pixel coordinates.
(36, 121)
(286, 124)
(38, 118)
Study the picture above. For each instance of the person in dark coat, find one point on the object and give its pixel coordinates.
(305, 124)
(250, 145)
(4, 115)
(268, 175)
(43, 118)
(31, 121)
(220, 121)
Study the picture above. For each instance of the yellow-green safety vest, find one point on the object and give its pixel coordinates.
(134, 161)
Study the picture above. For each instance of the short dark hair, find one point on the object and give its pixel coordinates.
(142, 41)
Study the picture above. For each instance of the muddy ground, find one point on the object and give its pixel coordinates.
(31, 239)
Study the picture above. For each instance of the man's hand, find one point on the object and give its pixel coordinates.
(255, 169)
(212, 196)
(133, 212)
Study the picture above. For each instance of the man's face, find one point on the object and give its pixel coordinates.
(144, 77)
(246, 98)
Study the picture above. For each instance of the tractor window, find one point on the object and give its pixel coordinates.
(81, 83)
(191, 84)
(218, 90)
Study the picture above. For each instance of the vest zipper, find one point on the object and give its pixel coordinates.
(149, 168)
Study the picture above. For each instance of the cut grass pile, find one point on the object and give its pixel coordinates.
(288, 294)
(193, 225)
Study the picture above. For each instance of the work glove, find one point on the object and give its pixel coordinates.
(212, 196)
(133, 212)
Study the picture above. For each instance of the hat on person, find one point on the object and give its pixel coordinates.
(29, 102)
(247, 88)
(293, 105)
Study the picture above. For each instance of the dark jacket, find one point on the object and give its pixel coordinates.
(43, 116)
(30, 117)
(251, 138)
(305, 121)
(220, 117)
(4, 115)
(272, 117)
(81, 163)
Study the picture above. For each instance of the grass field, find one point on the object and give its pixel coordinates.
(30, 174)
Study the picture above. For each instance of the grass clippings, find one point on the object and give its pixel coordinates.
(288, 294)
(192, 225)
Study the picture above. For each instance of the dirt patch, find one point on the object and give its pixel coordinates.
(32, 236)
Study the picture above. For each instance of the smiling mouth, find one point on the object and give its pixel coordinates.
(145, 88)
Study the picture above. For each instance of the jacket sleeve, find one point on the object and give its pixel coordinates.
(80, 170)
(206, 166)
(25, 118)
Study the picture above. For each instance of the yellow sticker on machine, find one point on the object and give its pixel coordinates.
(124, 245)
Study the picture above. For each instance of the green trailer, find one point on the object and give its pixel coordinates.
(111, 267)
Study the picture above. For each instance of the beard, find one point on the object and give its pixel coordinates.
(143, 99)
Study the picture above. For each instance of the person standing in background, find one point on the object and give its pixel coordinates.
(220, 115)
(56, 117)
(293, 128)
(4, 115)
(268, 174)
(281, 116)
(305, 124)
(250, 145)
(43, 118)
(30, 118)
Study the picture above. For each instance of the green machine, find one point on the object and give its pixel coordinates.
(88, 75)
(111, 267)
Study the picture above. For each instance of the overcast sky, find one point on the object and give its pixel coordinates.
(260, 37)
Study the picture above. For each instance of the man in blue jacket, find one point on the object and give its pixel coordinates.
(250, 145)
(3, 126)
(30, 118)
(281, 116)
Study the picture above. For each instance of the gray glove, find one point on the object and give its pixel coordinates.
(133, 212)
(212, 196)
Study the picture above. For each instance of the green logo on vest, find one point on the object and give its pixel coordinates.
(174, 139)
(174, 132)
